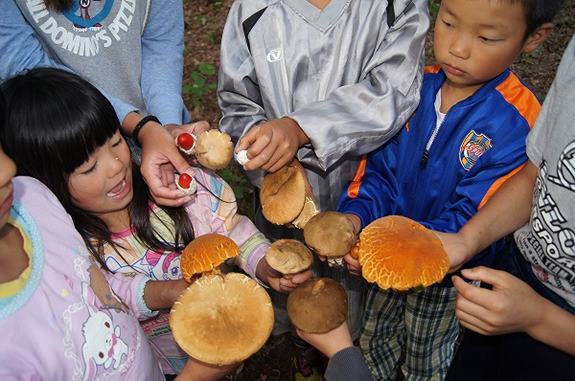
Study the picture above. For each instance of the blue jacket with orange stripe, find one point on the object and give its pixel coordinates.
(480, 143)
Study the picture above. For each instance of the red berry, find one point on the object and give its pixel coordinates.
(185, 180)
(185, 140)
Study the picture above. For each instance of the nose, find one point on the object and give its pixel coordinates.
(459, 47)
(115, 164)
(7, 169)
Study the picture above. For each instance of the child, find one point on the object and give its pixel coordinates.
(531, 306)
(131, 50)
(323, 81)
(465, 139)
(61, 317)
(57, 117)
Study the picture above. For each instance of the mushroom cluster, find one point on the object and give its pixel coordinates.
(213, 149)
(398, 253)
(286, 196)
(220, 319)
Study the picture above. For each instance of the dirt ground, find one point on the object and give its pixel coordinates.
(204, 23)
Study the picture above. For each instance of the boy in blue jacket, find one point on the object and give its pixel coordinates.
(464, 140)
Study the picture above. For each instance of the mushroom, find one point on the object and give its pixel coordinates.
(186, 183)
(330, 234)
(318, 305)
(205, 253)
(399, 253)
(289, 256)
(214, 149)
(286, 196)
(186, 142)
(222, 319)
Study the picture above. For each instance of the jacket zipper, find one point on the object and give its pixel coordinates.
(425, 156)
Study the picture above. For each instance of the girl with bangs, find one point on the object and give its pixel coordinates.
(63, 131)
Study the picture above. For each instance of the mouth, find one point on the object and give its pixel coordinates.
(119, 190)
(453, 70)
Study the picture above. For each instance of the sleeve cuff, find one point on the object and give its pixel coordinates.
(143, 309)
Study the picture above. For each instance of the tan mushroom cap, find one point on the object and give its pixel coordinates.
(318, 305)
(289, 256)
(282, 195)
(399, 253)
(330, 234)
(222, 319)
(205, 253)
(214, 149)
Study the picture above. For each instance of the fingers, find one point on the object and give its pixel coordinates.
(197, 128)
(352, 264)
(485, 274)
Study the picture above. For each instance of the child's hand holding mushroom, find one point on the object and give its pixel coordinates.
(287, 264)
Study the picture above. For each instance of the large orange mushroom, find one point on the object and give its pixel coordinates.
(398, 253)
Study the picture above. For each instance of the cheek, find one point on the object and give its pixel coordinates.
(85, 192)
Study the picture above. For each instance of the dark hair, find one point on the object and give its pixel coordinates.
(54, 121)
(539, 12)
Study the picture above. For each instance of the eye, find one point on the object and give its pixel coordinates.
(107, 324)
(447, 24)
(89, 170)
(119, 141)
(488, 40)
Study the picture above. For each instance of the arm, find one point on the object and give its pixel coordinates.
(345, 361)
(360, 117)
(511, 306)
(506, 211)
(162, 61)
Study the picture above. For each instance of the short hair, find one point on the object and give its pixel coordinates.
(539, 12)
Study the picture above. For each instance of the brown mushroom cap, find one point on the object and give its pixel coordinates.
(397, 252)
(222, 319)
(330, 234)
(318, 305)
(282, 195)
(214, 149)
(205, 253)
(289, 256)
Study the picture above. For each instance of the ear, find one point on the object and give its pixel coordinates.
(537, 37)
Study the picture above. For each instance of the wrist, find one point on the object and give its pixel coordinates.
(299, 132)
(137, 132)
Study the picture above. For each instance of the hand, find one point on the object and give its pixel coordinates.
(457, 248)
(195, 128)
(511, 306)
(160, 156)
(195, 370)
(272, 144)
(353, 265)
(278, 281)
(331, 342)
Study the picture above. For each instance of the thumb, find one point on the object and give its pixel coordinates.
(248, 139)
(177, 160)
(483, 274)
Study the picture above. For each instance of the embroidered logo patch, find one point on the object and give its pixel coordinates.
(472, 148)
(274, 55)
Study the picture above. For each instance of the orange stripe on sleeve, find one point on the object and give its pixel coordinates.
(518, 95)
(353, 188)
(497, 184)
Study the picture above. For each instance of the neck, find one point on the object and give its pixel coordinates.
(453, 93)
(13, 258)
(117, 221)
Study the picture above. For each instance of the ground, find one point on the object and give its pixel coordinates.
(204, 23)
